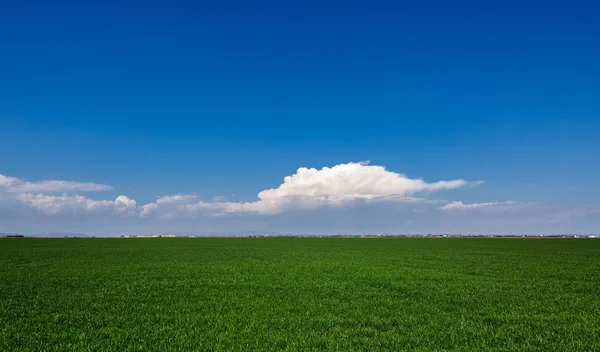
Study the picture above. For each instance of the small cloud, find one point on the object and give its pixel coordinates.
(495, 206)
(177, 199)
(147, 209)
(124, 204)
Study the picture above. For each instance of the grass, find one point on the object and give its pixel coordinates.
(299, 294)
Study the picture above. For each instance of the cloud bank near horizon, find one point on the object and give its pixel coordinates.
(349, 197)
(308, 188)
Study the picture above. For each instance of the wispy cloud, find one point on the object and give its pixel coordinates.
(492, 206)
(177, 199)
(15, 185)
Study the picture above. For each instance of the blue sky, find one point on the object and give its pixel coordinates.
(224, 100)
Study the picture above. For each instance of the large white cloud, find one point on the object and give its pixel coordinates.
(329, 186)
(352, 181)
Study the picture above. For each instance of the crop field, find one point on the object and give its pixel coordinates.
(344, 294)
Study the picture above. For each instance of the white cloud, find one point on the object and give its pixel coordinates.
(177, 199)
(352, 181)
(124, 204)
(35, 195)
(167, 202)
(147, 209)
(15, 185)
(461, 206)
(51, 204)
(495, 206)
(6, 181)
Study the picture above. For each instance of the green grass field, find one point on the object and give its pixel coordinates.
(299, 294)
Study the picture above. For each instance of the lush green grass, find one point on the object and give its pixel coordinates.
(299, 294)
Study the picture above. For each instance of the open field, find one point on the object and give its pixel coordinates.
(299, 294)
